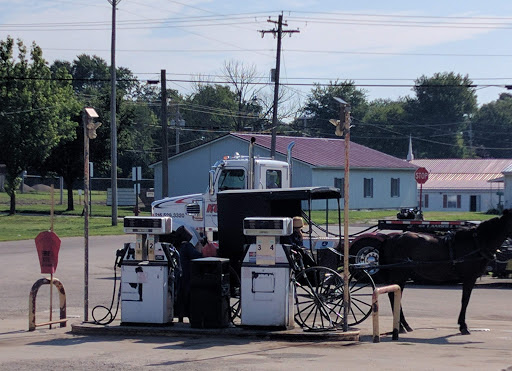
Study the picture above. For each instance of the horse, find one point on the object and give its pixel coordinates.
(462, 255)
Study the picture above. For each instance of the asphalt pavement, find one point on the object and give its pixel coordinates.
(435, 343)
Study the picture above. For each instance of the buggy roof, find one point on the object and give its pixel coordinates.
(235, 205)
(298, 193)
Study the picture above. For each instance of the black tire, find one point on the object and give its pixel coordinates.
(367, 251)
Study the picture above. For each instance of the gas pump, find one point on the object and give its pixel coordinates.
(147, 272)
(267, 290)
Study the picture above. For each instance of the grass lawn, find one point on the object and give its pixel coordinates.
(26, 227)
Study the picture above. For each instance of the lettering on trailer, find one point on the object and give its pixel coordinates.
(424, 222)
(211, 209)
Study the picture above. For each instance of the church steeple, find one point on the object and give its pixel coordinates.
(410, 155)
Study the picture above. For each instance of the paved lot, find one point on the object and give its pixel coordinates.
(431, 310)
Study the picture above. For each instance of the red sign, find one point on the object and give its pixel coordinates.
(421, 175)
(48, 246)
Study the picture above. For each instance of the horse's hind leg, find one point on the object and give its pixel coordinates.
(404, 326)
(467, 287)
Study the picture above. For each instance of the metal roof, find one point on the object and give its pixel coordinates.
(464, 174)
(325, 152)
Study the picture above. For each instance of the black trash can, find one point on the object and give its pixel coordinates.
(209, 293)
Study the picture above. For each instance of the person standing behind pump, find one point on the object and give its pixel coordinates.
(297, 237)
(297, 241)
(187, 252)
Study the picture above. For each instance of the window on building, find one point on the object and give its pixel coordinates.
(425, 201)
(231, 179)
(452, 201)
(273, 178)
(395, 187)
(368, 187)
(340, 184)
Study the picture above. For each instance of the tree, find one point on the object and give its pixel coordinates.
(242, 80)
(439, 114)
(320, 107)
(91, 84)
(36, 110)
(211, 108)
(383, 128)
(491, 134)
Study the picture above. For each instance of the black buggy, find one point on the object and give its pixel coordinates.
(316, 265)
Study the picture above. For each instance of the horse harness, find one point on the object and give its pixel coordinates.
(449, 238)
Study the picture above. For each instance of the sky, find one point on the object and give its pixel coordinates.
(383, 46)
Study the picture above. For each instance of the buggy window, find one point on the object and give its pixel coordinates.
(232, 179)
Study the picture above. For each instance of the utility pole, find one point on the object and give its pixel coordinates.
(177, 123)
(279, 32)
(88, 116)
(113, 127)
(343, 130)
(165, 148)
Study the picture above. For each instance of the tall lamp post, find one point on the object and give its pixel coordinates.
(345, 131)
(90, 127)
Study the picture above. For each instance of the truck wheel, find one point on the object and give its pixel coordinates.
(367, 251)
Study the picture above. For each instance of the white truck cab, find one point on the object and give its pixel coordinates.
(199, 211)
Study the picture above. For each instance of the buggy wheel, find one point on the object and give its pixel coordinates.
(318, 299)
(367, 251)
(361, 287)
(234, 300)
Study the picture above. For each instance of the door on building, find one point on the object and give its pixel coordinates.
(473, 203)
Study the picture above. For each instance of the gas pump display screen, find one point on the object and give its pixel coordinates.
(150, 225)
(267, 226)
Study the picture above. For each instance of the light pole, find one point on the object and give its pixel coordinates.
(345, 131)
(90, 127)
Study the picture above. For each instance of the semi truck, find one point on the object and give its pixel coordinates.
(198, 212)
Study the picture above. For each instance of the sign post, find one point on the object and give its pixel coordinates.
(136, 178)
(421, 176)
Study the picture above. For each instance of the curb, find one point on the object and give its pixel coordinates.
(184, 329)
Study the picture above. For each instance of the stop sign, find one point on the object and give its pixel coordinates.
(421, 175)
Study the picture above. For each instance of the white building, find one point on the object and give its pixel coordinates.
(466, 184)
(377, 180)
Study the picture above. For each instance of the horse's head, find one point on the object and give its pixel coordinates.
(506, 219)
(491, 233)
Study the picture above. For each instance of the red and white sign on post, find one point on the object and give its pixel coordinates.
(421, 176)
(48, 246)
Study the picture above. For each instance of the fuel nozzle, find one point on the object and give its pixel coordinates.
(120, 254)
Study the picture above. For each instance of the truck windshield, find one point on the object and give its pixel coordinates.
(232, 179)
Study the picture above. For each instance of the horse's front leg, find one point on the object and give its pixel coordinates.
(467, 287)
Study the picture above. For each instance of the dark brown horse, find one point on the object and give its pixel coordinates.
(462, 255)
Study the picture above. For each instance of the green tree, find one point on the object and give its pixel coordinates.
(91, 84)
(439, 115)
(210, 110)
(36, 110)
(320, 107)
(383, 128)
(491, 131)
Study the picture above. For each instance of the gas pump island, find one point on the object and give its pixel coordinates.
(267, 289)
(147, 272)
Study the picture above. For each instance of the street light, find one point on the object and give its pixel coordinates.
(89, 133)
(344, 131)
